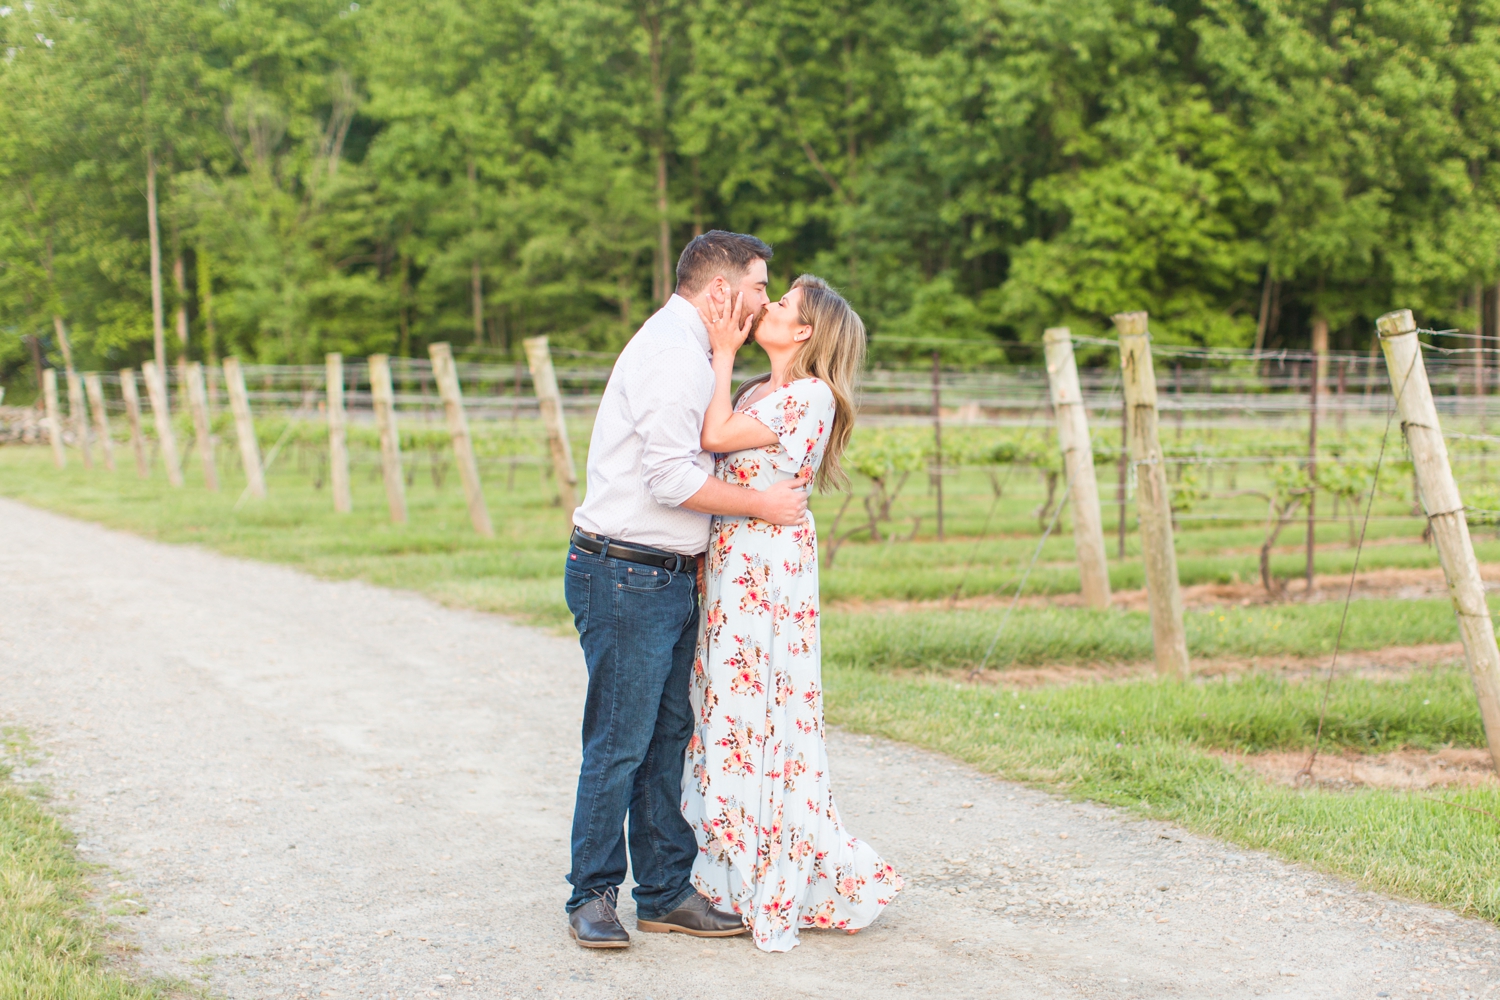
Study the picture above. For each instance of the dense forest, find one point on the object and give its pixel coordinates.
(377, 175)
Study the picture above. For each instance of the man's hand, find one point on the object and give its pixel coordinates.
(784, 503)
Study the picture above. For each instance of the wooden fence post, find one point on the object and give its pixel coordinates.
(156, 391)
(936, 475)
(549, 400)
(203, 433)
(54, 418)
(446, 374)
(78, 416)
(95, 388)
(1078, 461)
(1122, 490)
(1152, 498)
(390, 439)
(338, 442)
(244, 428)
(133, 417)
(1445, 513)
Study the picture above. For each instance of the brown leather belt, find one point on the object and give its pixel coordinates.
(645, 554)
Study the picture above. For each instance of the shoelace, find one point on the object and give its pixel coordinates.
(607, 910)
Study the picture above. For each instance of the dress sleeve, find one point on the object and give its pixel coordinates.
(800, 413)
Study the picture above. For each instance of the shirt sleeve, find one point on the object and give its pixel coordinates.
(800, 413)
(668, 405)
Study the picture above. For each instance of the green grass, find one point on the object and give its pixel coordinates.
(934, 638)
(50, 946)
(1144, 745)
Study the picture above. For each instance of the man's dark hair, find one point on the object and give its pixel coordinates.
(717, 252)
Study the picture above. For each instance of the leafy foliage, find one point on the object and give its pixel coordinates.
(379, 176)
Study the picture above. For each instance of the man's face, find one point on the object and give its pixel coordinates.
(753, 287)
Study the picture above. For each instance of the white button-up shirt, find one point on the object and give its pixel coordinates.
(644, 456)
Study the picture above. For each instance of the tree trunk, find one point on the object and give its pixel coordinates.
(476, 294)
(1264, 319)
(664, 226)
(206, 296)
(179, 282)
(63, 344)
(476, 277)
(36, 362)
(664, 279)
(158, 326)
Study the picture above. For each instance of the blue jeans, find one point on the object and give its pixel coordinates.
(638, 626)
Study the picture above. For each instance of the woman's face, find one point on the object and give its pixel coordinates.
(781, 329)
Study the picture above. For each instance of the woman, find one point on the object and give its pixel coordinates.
(756, 791)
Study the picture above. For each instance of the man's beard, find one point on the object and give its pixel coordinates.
(755, 324)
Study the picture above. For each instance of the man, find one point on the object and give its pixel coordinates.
(631, 585)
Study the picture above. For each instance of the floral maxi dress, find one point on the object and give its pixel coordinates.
(756, 788)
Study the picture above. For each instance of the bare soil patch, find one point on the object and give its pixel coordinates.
(1391, 663)
(1406, 769)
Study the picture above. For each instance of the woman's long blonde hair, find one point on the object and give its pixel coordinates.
(835, 353)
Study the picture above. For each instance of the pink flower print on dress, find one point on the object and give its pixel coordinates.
(713, 620)
(806, 619)
(769, 850)
(784, 688)
(848, 882)
(779, 613)
(720, 539)
(824, 918)
(886, 875)
(747, 664)
(754, 583)
(741, 471)
(726, 832)
(807, 550)
(710, 702)
(739, 742)
(792, 412)
(793, 769)
(780, 908)
(802, 848)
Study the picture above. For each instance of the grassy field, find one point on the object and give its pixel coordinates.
(900, 669)
(50, 944)
(1144, 746)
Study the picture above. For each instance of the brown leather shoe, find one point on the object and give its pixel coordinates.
(594, 925)
(696, 916)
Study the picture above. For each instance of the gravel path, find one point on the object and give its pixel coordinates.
(309, 789)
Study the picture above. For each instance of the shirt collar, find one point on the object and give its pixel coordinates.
(688, 313)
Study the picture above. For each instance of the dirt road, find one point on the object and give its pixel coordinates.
(310, 789)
